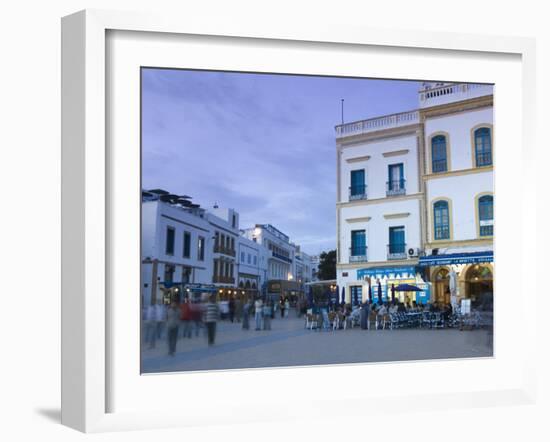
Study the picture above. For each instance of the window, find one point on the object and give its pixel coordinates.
(215, 267)
(234, 222)
(483, 148)
(441, 220)
(485, 210)
(200, 252)
(396, 181)
(439, 154)
(169, 270)
(255, 260)
(186, 244)
(242, 256)
(233, 244)
(170, 238)
(357, 188)
(358, 243)
(249, 259)
(356, 294)
(397, 240)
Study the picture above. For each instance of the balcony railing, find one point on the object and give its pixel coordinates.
(378, 123)
(453, 92)
(358, 254)
(358, 192)
(439, 166)
(223, 279)
(397, 251)
(395, 187)
(281, 257)
(224, 250)
(484, 159)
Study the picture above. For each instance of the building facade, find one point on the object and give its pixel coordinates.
(252, 267)
(224, 225)
(176, 247)
(415, 199)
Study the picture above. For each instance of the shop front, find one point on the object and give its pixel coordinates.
(382, 283)
(460, 276)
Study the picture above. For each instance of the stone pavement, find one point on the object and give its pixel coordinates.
(290, 344)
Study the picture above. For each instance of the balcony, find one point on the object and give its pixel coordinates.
(376, 124)
(397, 251)
(281, 257)
(224, 250)
(358, 192)
(452, 92)
(439, 166)
(358, 254)
(395, 187)
(223, 279)
(484, 159)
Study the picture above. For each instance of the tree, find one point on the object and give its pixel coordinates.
(327, 265)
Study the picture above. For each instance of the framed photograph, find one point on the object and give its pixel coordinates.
(251, 209)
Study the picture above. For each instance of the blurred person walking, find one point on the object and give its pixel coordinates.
(258, 311)
(238, 310)
(185, 316)
(282, 307)
(287, 307)
(211, 316)
(246, 315)
(150, 323)
(160, 317)
(231, 309)
(172, 325)
(267, 312)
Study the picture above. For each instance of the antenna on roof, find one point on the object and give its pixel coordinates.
(342, 100)
(215, 205)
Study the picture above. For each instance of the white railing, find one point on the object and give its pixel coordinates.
(375, 124)
(452, 92)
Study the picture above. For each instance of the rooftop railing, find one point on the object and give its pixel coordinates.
(375, 124)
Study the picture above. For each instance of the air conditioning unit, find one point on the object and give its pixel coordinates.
(413, 252)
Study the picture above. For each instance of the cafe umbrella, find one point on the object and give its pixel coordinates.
(379, 292)
(408, 288)
(393, 293)
(370, 293)
(343, 295)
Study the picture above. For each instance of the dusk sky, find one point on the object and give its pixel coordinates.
(261, 144)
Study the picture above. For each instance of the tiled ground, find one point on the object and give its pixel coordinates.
(289, 344)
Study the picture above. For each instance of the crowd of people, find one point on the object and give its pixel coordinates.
(193, 317)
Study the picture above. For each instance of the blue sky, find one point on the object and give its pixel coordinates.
(259, 143)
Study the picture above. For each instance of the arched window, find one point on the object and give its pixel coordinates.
(439, 154)
(483, 147)
(485, 210)
(441, 220)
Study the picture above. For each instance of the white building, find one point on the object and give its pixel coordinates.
(304, 267)
(252, 260)
(280, 265)
(176, 245)
(415, 197)
(224, 225)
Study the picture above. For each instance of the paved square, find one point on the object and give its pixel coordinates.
(290, 344)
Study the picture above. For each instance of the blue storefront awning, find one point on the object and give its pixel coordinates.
(456, 258)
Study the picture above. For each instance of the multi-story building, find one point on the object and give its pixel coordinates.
(415, 198)
(281, 263)
(224, 225)
(304, 266)
(281, 260)
(252, 265)
(176, 246)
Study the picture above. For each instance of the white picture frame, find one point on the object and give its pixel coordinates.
(87, 207)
